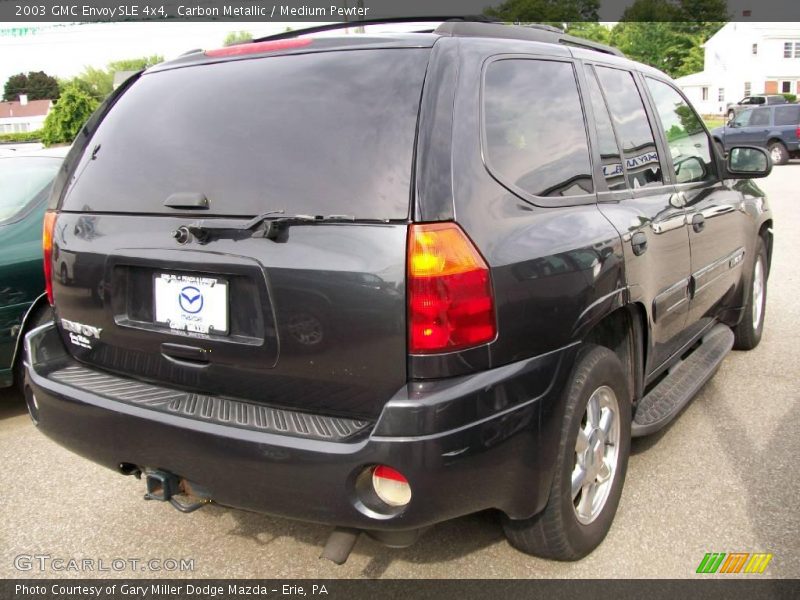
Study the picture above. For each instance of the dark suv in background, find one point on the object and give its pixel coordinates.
(389, 280)
(776, 128)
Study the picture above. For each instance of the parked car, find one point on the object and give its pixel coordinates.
(753, 101)
(25, 181)
(776, 128)
(519, 248)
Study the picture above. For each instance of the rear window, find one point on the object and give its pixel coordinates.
(787, 115)
(326, 133)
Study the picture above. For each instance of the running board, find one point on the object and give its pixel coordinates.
(665, 400)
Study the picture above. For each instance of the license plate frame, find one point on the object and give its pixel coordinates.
(190, 303)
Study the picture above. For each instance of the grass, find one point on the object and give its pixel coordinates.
(712, 122)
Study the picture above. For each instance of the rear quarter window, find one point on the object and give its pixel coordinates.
(787, 115)
(534, 131)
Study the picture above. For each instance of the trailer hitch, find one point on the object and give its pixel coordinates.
(163, 486)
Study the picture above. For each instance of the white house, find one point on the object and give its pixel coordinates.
(23, 115)
(742, 59)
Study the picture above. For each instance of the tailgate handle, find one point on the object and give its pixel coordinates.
(190, 355)
(186, 200)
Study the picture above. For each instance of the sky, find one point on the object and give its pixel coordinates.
(63, 50)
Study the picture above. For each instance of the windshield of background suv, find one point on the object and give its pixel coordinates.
(320, 133)
(23, 180)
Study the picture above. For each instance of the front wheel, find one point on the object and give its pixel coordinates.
(590, 466)
(747, 333)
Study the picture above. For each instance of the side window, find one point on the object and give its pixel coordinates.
(632, 127)
(787, 115)
(535, 135)
(743, 118)
(760, 118)
(689, 146)
(610, 156)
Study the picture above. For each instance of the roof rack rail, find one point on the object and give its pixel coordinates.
(531, 33)
(366, 22)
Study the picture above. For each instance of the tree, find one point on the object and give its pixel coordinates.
(237, 37)
(67, 117)
(589, 30)
(545, 11)
(38, 85)
(99, 83)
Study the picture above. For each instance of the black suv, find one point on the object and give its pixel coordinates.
(382, 281)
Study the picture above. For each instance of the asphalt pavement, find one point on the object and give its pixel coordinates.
(722, 478)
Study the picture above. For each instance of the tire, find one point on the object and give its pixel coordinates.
(559, 532)
(720, 147)
(778, 153)
(747, 334)
(43, 314)
(731, 115)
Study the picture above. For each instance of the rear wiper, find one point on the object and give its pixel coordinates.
(269, 225)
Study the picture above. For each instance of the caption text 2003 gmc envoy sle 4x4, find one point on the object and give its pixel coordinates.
(382, 281)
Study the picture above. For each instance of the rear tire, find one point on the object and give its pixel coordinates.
(575, 523)
(778, 153)
(42, 315)
(731, 115)
(747, 333)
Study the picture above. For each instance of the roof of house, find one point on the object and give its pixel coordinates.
(34, 108)
(701, 78)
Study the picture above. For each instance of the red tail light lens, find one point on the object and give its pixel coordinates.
(47, 247)
(256, 47)
(450, 302)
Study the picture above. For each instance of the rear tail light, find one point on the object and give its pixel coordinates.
(391, 486)
(450, 302)
(259, 47)
(47, 247)
(797, 132)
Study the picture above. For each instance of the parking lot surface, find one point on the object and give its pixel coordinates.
(722, 478)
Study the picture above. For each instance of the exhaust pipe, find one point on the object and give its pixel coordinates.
(340, 544)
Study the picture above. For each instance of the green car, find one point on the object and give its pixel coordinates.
(25, 181)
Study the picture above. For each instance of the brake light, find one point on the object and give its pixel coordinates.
(256, 47)
(797, 132)
(47, 247)
(450, 302)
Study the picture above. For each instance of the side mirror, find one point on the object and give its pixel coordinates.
(690, 169)
(747, 162)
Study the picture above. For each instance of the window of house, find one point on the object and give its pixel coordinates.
(755, 48)
(705, 93)
(746, 89)
(787, 50)
(632, 127)
(797, 49)
(535, 135)
(610, 156)
(786, 87)
(689, 146)
(721, 94)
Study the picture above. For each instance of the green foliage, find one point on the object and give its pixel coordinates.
(38, 85)
(589, 30)
(68, 116)
(543, 11)
(99, 83)
(19, 137)
(790, 97)
(237, 37)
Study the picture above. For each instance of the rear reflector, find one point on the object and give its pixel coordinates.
(259, 47)
(450, 302)
(390, 486)
(47, 248)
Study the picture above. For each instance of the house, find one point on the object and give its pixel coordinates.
(745, 58)
(23, 115)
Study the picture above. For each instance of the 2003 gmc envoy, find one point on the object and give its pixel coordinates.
(385, 280)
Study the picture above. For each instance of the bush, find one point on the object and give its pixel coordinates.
(20, 137)
(65, 120)
(790, 97)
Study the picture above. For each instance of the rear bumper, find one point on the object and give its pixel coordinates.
(499, 458)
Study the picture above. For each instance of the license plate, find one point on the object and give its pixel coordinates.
(191, 303)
